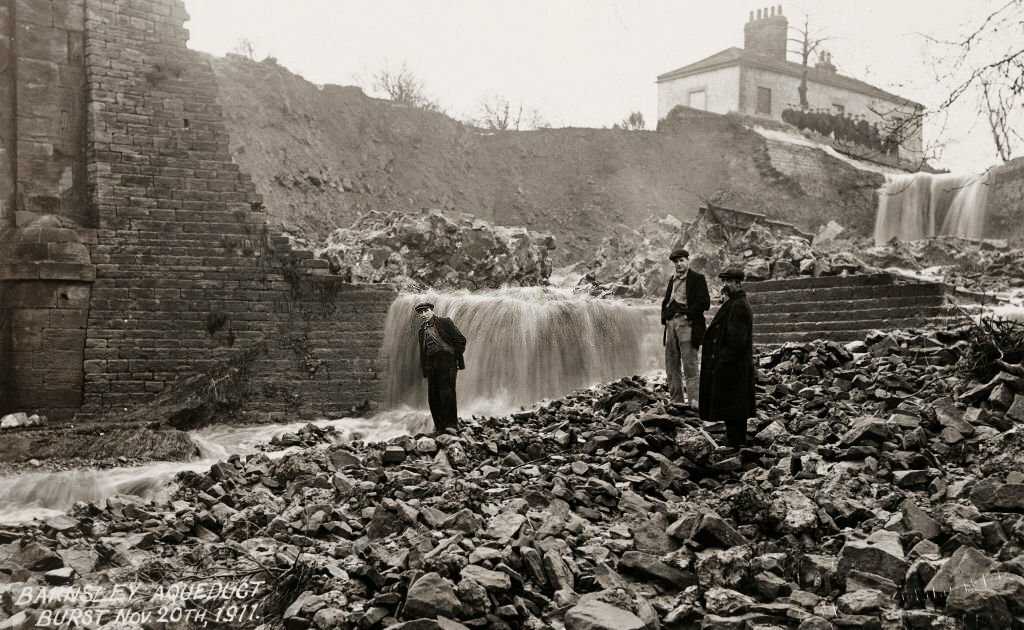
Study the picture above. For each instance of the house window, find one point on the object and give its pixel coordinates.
(764, 101)
(838, 109)
(698, 99)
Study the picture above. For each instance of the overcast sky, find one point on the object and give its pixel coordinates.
(589, 63)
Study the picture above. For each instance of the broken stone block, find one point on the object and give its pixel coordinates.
(592, 614)
(429, 596)
(880, 553)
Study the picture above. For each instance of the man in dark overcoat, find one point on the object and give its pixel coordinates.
(727, 362)
(441, 357)
(682, 315)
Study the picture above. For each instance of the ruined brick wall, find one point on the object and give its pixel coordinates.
(813, 172)
(325, 360)
(186, 273)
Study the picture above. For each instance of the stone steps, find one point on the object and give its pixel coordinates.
(829, 294)
(908, 311)
(842, 308)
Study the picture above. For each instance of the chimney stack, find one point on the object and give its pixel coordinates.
(766, 33)
(824, 63)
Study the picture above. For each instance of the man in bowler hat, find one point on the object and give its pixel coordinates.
(682, 315)
(727, 362)
(441, 357)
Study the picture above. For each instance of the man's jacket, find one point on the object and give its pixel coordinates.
(450, 334)
(698, 300)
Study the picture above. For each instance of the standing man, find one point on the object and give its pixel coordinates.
(682, 315)
(441, 350)
(727, 363)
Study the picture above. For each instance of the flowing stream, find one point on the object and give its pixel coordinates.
(918, 205)
(524, 345)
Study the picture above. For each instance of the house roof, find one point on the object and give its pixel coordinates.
(739, 56)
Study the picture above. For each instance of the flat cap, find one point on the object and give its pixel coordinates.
(422, 306)
(732, 273)
(677, 253)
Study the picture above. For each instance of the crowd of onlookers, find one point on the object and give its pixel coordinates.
(846, 128)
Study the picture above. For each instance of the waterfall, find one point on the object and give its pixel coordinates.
(918, 205)
(523, 345)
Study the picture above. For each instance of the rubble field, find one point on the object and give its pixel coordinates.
(882, 488)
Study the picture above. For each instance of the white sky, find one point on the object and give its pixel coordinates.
(589, 63)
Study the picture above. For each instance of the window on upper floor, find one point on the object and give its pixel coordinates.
(698, 99)
(764, 101)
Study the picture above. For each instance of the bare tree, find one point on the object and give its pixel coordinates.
(403, 86)
(245, 47)
(633, 122)
(806, 45)
(498, 114)
(986, 64)
(999, 111)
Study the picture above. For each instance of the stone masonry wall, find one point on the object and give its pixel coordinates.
(1006, 203)
(186, 273)
(7, 114)
(50, 87)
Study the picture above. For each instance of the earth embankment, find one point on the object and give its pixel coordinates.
(322, 156)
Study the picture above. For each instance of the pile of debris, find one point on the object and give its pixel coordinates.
(988, 265)
(438, 249)
(634, 263)
(881, 490)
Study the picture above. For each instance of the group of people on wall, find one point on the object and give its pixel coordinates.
(846, 128)
(721, 389)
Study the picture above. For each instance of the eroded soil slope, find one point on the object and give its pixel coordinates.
(322, 156)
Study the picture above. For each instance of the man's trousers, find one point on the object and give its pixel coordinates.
(679, 351)
(441, 375)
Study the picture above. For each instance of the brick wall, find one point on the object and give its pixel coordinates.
(325, 358)
(186, 274)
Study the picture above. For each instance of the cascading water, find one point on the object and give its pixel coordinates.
(523, 345)
(918, 205)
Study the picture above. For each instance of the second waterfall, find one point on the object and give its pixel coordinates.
(524, 344)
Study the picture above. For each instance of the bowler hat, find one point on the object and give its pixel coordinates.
(732, 273)
(422, 306)
(678, 253)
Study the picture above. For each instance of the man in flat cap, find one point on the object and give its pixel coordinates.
(727, 362)
(441, 357)
(682, 315)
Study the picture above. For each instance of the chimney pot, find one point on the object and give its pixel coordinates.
(780, 9)
(773, 11)
(759, 14)
(751, 17)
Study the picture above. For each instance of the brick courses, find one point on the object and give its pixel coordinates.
(182, 241)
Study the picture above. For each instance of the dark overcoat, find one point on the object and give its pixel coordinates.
(698, 300)
(451, 335)
(727, 363)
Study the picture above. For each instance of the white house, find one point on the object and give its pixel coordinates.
(758, 80)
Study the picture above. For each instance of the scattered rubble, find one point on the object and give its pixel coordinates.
(882, 489)
(633, 263)
(437, 250)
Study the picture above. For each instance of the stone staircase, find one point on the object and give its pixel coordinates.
(842, 308)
